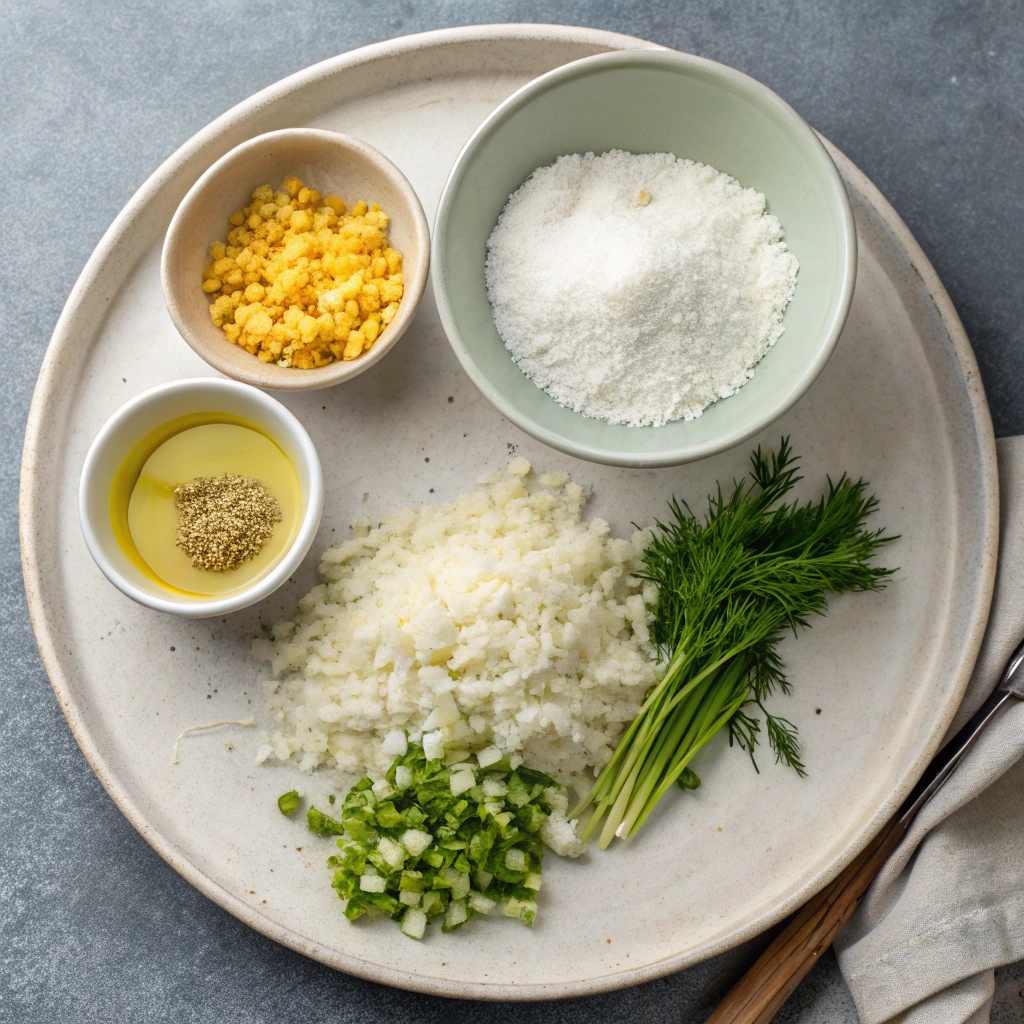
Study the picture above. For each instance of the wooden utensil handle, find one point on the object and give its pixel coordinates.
(760, 993)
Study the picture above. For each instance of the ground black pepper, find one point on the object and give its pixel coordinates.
(223, 521)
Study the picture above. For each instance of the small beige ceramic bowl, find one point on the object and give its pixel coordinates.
(328, 162)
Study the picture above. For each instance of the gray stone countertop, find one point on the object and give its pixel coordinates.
(927, 97)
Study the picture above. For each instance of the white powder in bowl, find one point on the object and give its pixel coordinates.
(637, 288)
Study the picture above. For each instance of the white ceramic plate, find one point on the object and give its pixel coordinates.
(899, 403)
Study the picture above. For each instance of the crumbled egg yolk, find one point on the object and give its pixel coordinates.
(300, 281)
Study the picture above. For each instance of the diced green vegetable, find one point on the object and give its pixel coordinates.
(525, 910)
(489, 756)
(515, 860)
(323, 824)
(480, 903)
(414, 923)
(456, 914)
(388, 816)
(518, 792)
(412, 881)
(429, 840)
(416, 841)
(494, 787)
(287, 803)
(530, 817)
(461, 780)
(458, 880)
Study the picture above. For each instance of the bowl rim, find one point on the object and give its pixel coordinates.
(283, 378)
(290, 560)
(839, 202)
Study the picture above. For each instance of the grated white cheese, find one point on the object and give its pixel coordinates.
(500, 620)
(637, 288)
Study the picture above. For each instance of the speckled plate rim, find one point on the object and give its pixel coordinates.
(61, 347)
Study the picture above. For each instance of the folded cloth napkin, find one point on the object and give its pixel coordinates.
(948, 907)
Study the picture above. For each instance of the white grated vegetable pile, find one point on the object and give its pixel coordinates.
(499, 620)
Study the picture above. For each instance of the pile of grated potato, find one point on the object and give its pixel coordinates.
(500, 620)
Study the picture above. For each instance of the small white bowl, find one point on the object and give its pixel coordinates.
(328, 161)
(146, 413)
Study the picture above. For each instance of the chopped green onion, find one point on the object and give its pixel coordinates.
(287, 803)
(414, 923)
(429, 840)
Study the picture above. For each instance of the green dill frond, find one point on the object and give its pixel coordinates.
(743, 731)
(782, 739)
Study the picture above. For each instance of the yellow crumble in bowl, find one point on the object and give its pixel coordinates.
(300, 280)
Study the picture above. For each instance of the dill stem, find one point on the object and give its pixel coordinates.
(628, 750)
(683, 739)
(617, 809)
(647, 730)
(615, 781)
(615, 778)
(670, 777)
(673, 736)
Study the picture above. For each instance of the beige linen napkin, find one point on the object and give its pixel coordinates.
(948, 907)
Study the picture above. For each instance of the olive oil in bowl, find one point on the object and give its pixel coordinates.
(145, 509)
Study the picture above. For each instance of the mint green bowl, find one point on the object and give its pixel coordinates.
(648, 101)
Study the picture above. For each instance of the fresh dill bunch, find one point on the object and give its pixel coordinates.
(730, 586)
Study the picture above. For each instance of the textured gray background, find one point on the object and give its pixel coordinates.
(927, 97)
